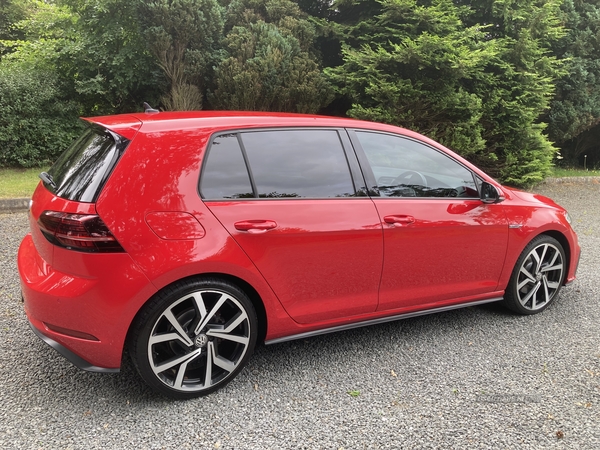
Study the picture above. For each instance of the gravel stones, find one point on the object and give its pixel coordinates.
(477, 378)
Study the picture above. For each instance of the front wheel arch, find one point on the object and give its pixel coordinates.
(563, 241)
(537, 276)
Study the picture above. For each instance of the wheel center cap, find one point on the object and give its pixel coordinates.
(201, 340)
(538, 277)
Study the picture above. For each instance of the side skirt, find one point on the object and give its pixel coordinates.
(365, 323)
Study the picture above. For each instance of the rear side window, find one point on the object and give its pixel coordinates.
(304, 163)
(81, 171)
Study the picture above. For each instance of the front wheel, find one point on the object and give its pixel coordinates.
(193, 337)
(537, 276)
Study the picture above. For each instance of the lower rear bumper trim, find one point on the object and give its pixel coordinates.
(70, 356)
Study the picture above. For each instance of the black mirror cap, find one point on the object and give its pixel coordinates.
(490, 194)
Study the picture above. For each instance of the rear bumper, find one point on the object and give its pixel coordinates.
(76, 360)
(84, 310)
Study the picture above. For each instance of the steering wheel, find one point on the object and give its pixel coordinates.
(410, 177)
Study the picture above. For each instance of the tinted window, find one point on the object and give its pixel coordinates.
(298, 163)
(407, 168)
(225, 174)
(81, 171)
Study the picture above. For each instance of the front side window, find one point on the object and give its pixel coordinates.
(406, 168)
(303, 163)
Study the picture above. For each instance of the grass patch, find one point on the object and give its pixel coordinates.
(560, 172)
(16, 183)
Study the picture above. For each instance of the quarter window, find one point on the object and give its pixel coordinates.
(407, 168)
(225, 175)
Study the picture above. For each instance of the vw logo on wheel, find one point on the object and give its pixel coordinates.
(201, 340)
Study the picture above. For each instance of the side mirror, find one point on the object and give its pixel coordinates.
(489, 193)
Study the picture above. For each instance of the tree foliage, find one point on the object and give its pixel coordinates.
(575, 109)
(269, 65)
(496, 80)
(479, 88)
(107, 59)
(11, 13)
(183, 35)
(36, 123)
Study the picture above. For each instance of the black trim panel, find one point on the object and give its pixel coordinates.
(365, 323)
(71, 357)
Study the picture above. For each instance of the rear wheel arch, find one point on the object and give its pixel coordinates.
(246, 287)
(194, 335)
(254, 296)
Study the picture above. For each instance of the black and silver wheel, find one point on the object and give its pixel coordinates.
(537, 276)
(194, 337)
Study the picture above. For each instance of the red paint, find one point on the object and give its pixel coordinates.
(315, 263)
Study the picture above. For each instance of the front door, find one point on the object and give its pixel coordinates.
(441, 242)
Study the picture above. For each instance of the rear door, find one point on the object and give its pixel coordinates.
(294, 200)
(441, 241)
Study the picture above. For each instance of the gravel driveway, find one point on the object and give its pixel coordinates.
(474, 378)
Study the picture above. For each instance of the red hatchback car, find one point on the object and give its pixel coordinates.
(189, 237)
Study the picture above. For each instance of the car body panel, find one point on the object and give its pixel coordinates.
(322, 259)
(96, 295)
(453, 248)
(320, 268)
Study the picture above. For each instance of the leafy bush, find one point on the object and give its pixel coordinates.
(35, 124)
(434, 68)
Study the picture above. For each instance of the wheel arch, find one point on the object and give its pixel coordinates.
(252, 293)
(564, 242)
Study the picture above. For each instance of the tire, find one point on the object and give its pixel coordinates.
(193, 337)
(537, 276)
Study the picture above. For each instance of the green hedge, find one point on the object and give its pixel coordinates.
(35, 124)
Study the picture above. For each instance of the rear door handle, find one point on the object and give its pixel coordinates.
(399, 220)
(255, 226)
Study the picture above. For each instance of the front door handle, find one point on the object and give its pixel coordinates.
(255, 226)
(399, 220)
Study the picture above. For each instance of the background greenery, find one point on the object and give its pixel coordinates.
(512, 85)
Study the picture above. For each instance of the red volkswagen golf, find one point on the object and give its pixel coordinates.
(189, 237)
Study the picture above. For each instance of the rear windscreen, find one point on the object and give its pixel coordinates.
(81, 171)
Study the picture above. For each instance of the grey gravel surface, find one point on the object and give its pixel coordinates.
(474, 378)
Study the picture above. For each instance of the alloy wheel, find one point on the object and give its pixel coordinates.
(540, 276)
(199, 341)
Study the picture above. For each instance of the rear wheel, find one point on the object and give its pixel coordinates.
(194, 337)
(537, 276)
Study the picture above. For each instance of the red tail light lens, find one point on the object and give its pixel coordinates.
(81, 232)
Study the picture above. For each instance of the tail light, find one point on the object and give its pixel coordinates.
(81, 232)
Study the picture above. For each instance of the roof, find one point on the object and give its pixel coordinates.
(128, 124)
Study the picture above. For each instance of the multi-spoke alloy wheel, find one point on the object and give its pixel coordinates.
(194, 337)
(537, 277)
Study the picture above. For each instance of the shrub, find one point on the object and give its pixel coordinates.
(36, 125)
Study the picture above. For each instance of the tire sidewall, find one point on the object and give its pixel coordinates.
(511, 297)
(146, 320)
